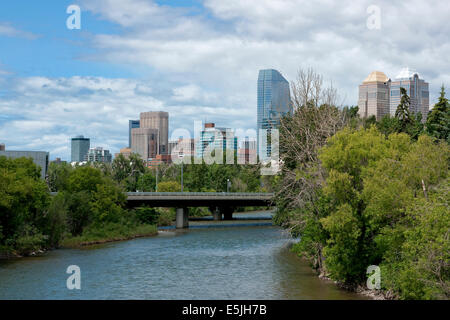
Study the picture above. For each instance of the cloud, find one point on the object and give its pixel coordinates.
(43, 113)
(224, 46)
(203, 63)
(7, 30)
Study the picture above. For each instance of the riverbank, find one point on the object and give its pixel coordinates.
(92, 237)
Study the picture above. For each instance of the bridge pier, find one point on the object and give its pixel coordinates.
(182, 218)
(217, 214)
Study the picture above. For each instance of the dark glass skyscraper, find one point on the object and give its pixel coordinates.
(131, 125)
(274, 101)
(80, 148)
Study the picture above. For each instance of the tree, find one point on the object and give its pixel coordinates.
(403, 113)
(438, 121)
(24, 199)
(169, 186)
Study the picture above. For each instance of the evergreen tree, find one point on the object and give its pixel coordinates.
(402, 113)
(438, 121)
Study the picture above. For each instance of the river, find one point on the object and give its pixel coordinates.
(204, 262)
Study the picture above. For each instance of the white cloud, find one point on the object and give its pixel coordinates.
(225, 51)
(44, 113)
(9, 31)
(204, 64)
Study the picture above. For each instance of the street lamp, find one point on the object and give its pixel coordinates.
(181, 156)
(228, 185)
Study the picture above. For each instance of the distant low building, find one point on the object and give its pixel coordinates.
(40, 158)
(126, 152)
(2, 147)
(158, 160)
(98, 155)
(58, 161)
(182, 148)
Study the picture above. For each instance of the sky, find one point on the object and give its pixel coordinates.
(197, 60)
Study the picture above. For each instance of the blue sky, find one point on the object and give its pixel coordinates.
(195, 59)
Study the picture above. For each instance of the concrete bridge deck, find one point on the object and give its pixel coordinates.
(198, 199)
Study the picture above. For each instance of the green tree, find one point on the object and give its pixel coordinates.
(403, 113)
(438, 120)
(169, 186)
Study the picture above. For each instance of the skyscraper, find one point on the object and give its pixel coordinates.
(145, 142)
(131, 125)
(416, 88)
(374, 96)
(158, 120)
(380, 96)
(274, 102)
(79, 148)
(215, 138)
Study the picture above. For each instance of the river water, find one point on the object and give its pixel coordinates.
(244, 260)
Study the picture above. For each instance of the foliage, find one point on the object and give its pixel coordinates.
(383, 201)
(24, 198)
(169, 186)
(438, 120)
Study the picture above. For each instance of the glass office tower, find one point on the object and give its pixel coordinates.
(131, 125)
(274, 102)
(80, 148)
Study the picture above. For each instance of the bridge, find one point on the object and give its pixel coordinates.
(220, 203)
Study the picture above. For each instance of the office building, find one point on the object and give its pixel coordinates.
(132, 124)
(126, 152)
(182, 148)
(417, 90)
(273, 103)
(380, 96)
(40, 158)
(374, 96)
(215, 138)
(158, 120)
(145, 142)
(79, 148)
(247, 152)
(98, 154)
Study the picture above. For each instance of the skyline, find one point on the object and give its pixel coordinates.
(57, 83)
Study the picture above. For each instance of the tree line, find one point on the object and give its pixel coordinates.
(361, 192)
(91, 202)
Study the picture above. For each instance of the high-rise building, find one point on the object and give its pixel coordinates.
(98, 154)
(379, 95)
(132, 124)
(374, 96)
(79, 148)
(416, 88)
(145, 142)
(247, 152)
(40, 158)
(215, 138)
(158, 120)
(274, 102)
(182, 148)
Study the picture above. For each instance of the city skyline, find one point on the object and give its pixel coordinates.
(92, 81)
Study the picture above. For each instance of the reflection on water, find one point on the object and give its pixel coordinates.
(205, 263)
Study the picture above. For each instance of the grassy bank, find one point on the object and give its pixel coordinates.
(109, 233)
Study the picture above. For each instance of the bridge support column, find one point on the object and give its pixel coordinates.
(182, 218)
(217, 214)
